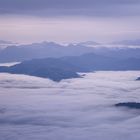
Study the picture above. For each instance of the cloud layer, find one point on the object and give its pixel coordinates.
(76, 109)
(24, 21)
(71, 7)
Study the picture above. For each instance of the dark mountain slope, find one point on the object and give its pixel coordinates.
(51, 68)
(90, 62)
(119, 53)
(67, 67)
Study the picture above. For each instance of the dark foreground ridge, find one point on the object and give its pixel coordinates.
(68, 67)
(51, 68)
(132, 105)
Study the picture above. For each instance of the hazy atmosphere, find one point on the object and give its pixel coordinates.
(69, 20)
(69, 69)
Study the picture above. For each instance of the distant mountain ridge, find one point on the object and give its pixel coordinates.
(89, 43)
(128, 42)
(51, 49)
(119, 53)
(92, 62)
(41, 50)
(4, 44)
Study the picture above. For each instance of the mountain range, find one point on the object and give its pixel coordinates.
(50, 49)
(69, 66)
(57, 62)
(128, 42)
(51, 68)
(41, 50)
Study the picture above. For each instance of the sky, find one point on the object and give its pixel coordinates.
(69, 20)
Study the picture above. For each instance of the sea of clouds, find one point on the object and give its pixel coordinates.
(34, 108)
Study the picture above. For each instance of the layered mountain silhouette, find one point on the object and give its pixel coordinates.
(68, 67)
(41, 50)
(51, 49)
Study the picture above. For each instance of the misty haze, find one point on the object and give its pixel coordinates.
(69, 70)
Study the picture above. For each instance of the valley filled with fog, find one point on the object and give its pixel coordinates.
(69, 69)
(74, 109)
